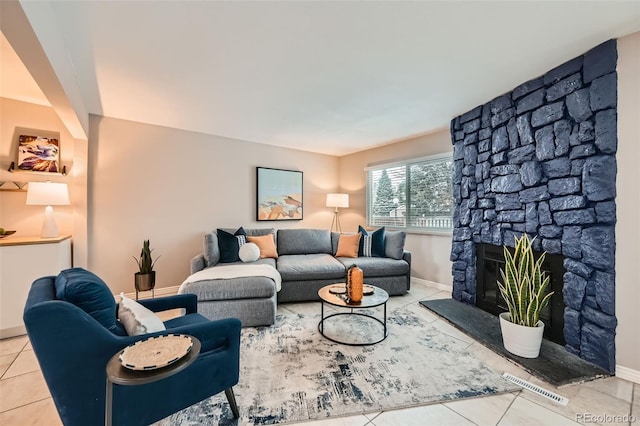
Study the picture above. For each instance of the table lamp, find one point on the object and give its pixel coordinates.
(337, 200)
(48, 194)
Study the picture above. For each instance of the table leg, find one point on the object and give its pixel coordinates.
(322, 317)
(108, 402)
(385, 319)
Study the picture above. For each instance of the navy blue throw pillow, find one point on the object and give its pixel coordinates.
(371, 245)
(229, 245)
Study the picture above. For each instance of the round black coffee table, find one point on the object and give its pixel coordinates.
(378, 298)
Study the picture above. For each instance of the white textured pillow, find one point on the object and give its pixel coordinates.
(137, 319)
(249, 252)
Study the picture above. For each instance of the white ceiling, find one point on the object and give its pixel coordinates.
(329, 77)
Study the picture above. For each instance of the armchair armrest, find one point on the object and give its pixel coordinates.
(213, 335)
(187, 301)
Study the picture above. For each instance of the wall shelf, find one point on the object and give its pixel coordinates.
(12, 169)
(11, 186)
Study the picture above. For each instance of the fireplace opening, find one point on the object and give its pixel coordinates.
(490, 259)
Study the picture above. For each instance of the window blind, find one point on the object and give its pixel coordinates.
(415, 194)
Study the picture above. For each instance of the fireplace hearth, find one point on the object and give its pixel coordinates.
(555, 365)
(490, 260)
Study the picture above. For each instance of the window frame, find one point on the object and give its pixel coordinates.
(407, 165)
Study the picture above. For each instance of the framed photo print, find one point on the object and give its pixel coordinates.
(279, 194)
(38, 154)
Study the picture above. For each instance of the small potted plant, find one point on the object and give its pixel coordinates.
(145, 279)
(524, 289)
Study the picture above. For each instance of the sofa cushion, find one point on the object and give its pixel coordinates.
(211, 249)
(348, 245)
(254, 287)
(296, 267)
(335, 238)
(88, 292)
(377, 266)
(304, 241)
(371, 244)
(266, 244)
(254, 232)
(394, 244)
(229, 244)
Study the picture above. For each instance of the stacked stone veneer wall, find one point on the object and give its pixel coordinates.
(541, 160)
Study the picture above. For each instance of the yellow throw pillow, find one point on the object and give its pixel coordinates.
(348, 245)
(266, 244)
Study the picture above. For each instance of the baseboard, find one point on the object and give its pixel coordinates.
(6, 333)
(428, 283)
(627, 373)
(158, 292)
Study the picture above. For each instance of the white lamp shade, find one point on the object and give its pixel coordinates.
(47, 194)
(338, 200)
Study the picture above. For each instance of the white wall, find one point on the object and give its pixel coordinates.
(172, 186)
(628, 208)
(430, 253)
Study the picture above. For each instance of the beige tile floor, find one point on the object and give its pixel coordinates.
(25, 399)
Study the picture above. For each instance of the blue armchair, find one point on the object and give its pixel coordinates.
(72, 323)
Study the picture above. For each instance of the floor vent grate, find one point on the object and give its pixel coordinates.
(537, 389)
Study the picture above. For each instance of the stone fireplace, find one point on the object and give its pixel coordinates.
(541, 160)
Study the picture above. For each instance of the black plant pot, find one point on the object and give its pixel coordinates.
(145, 282)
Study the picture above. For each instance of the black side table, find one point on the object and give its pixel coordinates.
(119, 375)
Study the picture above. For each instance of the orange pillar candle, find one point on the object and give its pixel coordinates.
(355, 281)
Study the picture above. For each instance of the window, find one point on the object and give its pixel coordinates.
(414, 194)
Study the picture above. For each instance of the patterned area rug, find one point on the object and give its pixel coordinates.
(289, 372)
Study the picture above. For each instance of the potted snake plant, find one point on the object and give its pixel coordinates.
(145, 279)
(524, 289)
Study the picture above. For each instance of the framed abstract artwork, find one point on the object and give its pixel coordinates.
(38, 154)
(279, 194)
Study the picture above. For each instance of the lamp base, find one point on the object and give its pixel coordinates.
(49, 227)
(336, 222)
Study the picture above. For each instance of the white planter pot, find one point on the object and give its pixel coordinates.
(520, 340)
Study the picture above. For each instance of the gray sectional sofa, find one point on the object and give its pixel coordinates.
(306, 262)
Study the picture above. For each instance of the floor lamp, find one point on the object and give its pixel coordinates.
(48, 194)
(337, 200)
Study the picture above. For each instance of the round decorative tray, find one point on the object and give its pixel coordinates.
(155, 352)
(7, 233)
(367, 290)
(338, 289)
